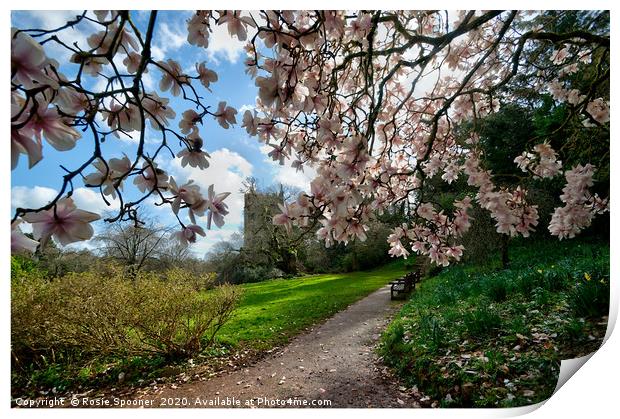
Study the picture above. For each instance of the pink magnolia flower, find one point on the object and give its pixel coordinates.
(599, 110)
(269, 90)
(132, 62)
(236, 24)
(217, 208)
(250, 122)
(70, 101)
(188, 193)
(27, 61)
(64, 222)
(193, 154)
(157, 110)
(22, 142)
(150, 178)
(48, 123)
(198, 28)
(284, 218)
(559, 56)
(277, 154)
(188, 235)
(225, 115)
(398, 250)
(189, 120)
(104, 178)
(19, 241)
(205, 75)
(123, 117)
(359, 27)
(172, 77)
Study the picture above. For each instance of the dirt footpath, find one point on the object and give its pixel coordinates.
(333, 362)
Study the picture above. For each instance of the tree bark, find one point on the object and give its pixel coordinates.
(504, 250)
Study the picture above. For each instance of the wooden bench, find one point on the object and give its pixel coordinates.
(403, 286)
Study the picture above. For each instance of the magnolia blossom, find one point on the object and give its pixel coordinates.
(23, 142)
(157, 110)
(19, 241)
(283, 218)
(217, 208)
(205, 75)
(188, 235)
(132, 62)
(189, 120)
(108, 176)
(559, 56)
(198, 29)
(225, 115)
(28, 61)
(123, 117)
(543, 164)
(48, 123)
(580, 206)
(599, 110)
(188, 193)
(64, 222)
(250, 122)
(236, 24)
(194, 156)
(172, 77)
(150, 178)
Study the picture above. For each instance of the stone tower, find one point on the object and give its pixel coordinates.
(258, 211)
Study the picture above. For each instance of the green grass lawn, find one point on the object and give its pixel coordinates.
(270, 312)
(488, 337)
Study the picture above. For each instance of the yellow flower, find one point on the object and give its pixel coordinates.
(587, 276)
(540, 271)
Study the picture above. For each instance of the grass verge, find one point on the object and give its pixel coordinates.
(270, 312)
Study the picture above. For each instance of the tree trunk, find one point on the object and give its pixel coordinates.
(504, 249)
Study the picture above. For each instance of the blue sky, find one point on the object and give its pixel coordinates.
(235, 155)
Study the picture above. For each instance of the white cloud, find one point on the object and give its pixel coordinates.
(221, 44)
(204, 244)
(244, 108)
(52, 19)
(287, 175)
(89, 199)
(25, 197)
(172, 38)
(226, 172)
(85, 198)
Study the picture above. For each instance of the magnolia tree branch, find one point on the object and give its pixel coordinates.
(372, 101)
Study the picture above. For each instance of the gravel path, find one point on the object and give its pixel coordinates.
(333, 362)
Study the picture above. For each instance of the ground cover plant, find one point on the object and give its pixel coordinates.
(490, 337)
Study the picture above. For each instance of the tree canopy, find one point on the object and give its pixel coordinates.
(376, 102)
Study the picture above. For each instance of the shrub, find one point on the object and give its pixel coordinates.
(99, 314)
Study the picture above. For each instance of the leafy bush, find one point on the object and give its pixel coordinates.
(102, 313)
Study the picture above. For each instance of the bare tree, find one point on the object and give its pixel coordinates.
(131, 244)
